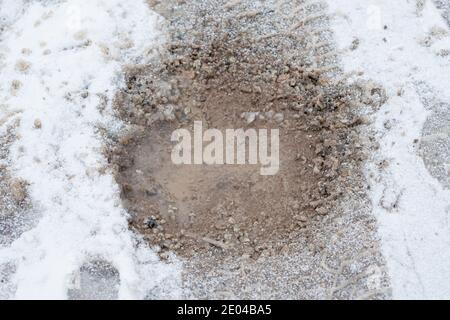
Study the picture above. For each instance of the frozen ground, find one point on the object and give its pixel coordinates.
(61, 60)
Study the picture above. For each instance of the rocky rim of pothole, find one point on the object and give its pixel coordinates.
(319, 121)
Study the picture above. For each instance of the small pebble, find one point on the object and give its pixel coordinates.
(150, 223)
(37, 124)
(278, 117)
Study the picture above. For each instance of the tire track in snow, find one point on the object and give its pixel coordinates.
(404, 45)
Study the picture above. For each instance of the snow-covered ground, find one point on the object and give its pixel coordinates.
(60, 65)
(405, 46)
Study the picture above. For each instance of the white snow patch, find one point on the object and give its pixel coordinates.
(412, 208)
(67, 57)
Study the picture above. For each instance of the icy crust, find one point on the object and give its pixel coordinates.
(405, 46)
(60, 64)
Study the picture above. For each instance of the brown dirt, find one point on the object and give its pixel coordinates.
(233, 205)
(233, 208)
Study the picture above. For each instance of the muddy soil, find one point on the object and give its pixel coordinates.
(233, 65)
(226, 206)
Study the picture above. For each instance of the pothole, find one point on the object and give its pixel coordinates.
(188, 207)
(195, 207)
(250, 65)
